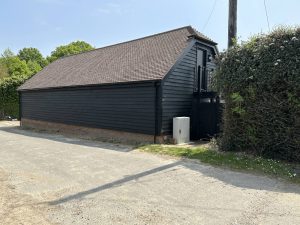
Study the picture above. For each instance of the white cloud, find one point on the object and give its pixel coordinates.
(113, 5)
(58, 28)
(111, 8)
(103, 11)
(42, 22)
(57, 2)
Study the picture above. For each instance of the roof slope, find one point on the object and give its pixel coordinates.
(148, 58)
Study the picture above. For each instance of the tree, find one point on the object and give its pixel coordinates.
(14, 66)
(3, 69)
(33, 55)
(69, 49)
(34, 67)
(9, 99)
(7, 53)
(17, 67)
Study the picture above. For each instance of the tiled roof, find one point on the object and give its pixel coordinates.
(148, 58)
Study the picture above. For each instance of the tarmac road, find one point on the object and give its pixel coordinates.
(52, 179)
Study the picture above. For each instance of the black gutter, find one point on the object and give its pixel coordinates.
(107, 85)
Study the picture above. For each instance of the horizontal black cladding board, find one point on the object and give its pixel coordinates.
(177, 94)
(130, 108)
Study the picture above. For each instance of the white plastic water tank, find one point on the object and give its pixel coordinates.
(181, 129)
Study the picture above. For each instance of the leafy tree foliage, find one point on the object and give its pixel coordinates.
(33, 55)
(34, 67)
(69, 49)
(3, 69)
(15, 66)
(7, 53)
(11, 65)
(9, 99)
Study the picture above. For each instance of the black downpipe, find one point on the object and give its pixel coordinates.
(157, 105)
(199, 79)
(20, 106)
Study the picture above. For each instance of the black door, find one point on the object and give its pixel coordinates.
(206, 107)
(206, 115)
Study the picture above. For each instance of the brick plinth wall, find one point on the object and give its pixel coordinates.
(88, 133)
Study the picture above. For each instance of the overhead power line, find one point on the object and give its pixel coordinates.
(211, 13)
(266, 11)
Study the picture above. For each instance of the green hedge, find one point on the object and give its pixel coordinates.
(260, 82)
(9, 99)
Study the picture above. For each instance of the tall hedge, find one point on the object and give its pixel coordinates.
(9, 100)
(260, 82)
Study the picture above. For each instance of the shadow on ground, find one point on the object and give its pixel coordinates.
(113, 184)
(242, 179)
(235, 179)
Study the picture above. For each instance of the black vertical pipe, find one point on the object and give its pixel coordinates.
(20, 106)
(157, 102)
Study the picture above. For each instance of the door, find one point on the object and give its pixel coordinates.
(206, 115)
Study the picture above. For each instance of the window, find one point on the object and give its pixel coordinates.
(200, 77)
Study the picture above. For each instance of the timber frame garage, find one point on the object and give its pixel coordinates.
(127, 92)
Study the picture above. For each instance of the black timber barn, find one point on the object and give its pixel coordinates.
(130, 90)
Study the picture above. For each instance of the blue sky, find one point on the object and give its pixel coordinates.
(45, 24)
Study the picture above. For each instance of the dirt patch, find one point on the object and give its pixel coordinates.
(16, 208)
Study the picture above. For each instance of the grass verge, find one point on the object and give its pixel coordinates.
(237, 161)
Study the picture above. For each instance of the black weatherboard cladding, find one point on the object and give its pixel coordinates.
(119, 107)
(177, 87)
(89, 89)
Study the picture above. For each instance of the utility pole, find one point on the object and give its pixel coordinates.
(232, 17)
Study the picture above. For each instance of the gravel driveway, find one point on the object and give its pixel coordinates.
(51, 179)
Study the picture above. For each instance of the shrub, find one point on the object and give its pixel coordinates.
(9, 99)
(260, 82)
